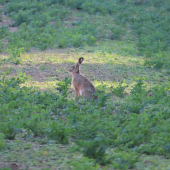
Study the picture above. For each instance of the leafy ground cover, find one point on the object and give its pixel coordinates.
(50, 24)
(126, 57)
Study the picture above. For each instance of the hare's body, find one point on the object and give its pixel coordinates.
(81, 84)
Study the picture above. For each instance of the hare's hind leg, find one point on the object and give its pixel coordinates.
(88, 95)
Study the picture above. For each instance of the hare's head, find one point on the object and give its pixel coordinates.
(76, 68)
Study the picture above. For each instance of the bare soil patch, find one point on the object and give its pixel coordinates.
(53, 71)
(12, 165)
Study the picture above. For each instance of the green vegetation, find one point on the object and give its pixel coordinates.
(50, 24)
(91, 125)
(126, 50)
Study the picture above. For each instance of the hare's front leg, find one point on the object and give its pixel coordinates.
(77, 94)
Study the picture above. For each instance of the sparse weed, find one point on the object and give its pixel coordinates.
(64, 85)
(119, 90)
(84, 163)
(2, 46)
(124, 160)
(2, 141)
(15, 55)
(3, 31)
(116, 32)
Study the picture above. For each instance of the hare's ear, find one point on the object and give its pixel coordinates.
(80, 61)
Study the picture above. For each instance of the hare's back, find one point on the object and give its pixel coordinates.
(87, 84)
(83, 82)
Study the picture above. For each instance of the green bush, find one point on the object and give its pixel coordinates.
(84, 163)
(136, 101)
(6, 168)
(136, 124)
(16, 100)
(15, 55)
(144, 22)
(63, 86)
(2, 46)
(3, 31)
(117, 33)
(90, 125)
(58, 132)
(2, 141)
(36, 29)
(119, 90)
(124, 160)
(95, 149)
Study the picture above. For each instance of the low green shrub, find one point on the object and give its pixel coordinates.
(92, 126)
(135, 102)
(6, 168)
(2, 141)
(41, 26)
(63, 86)
(123, 160)
(119, 90)
(95, 149)
(84, 163)
(117, 32)
(2, 46)
(159, 61)
(15, 55)
(58, 132)
(3, 31)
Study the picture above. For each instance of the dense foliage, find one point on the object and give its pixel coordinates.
(91, 125)
(108, 133)
(41, 25)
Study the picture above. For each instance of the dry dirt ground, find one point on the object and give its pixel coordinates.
(12, 165)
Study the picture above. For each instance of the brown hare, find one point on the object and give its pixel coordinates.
(80, 83)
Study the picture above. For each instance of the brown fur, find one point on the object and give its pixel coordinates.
(81, 84)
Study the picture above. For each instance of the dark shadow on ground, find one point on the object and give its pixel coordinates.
(100, 72)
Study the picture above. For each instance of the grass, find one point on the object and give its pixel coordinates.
(46, 69)
(105, 66)
(41, 125)
(34, 154)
